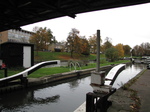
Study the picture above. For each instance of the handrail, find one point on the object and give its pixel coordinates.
(74, 64)
(28, 71)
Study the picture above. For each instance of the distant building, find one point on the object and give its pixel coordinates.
(58, 47)
(15, 35)
(93, 49)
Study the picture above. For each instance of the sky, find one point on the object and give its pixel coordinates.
(126, 25)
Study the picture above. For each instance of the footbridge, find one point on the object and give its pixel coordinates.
(23, 75)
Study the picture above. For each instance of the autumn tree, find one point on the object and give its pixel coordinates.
(85, 47)
(119, 47)
(73, 41)
(42, 38)
(126, 49)
(76, 43)
(92, 42)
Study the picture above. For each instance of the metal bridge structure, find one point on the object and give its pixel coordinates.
(17, 13)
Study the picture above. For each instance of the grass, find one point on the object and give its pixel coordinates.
(48, 71)
(46, 56)
(55, 70)
(11, 71)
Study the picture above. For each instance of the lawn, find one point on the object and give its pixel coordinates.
(46, 56)
(55, 70)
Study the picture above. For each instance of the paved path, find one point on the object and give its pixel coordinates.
(121, 100)
(142, 86)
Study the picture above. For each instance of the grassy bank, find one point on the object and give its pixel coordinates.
(55, 70)
(46, 56)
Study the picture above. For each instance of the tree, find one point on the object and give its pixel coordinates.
(92, 42)
(85, 47)
(73, 41)
(126, 49)
(111, 54)
(107, 44)
(77, 44)
(119, 47)
(42, 38)
(138, 51)
(146, 48)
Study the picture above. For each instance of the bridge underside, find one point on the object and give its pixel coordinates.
(16, 13)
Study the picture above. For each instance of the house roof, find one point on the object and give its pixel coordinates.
(16, 13)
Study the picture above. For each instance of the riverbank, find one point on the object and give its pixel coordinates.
(133, 96)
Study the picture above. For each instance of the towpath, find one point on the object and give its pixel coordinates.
(122, 100)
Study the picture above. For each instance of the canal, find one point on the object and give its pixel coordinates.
(63, 97)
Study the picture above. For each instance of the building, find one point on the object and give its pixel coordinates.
(15, 54)
(57, 47)
(15, 35)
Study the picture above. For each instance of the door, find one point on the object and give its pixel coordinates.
(26, 56)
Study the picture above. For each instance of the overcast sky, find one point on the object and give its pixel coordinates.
(126, 25)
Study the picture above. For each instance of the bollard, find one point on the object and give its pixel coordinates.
(90, 102)
(5, 72)
(24, 80)
(98, 102)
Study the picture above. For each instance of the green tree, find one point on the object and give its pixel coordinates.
(112, 54)
(107, 44)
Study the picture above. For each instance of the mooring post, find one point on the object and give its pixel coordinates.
(24, 79)
(5, 72)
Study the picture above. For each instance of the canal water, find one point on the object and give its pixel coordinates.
(63, 97)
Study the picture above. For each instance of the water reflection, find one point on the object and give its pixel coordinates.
(23, 98)
(74, 84)
(127, 74)
(64, 96)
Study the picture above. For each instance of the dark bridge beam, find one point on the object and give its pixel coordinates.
(16, 13)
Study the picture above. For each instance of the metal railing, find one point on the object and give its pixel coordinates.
(74, 65)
